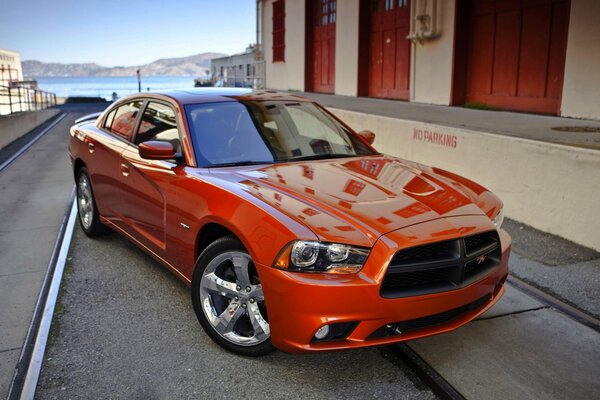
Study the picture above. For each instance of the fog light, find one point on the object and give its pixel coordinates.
(322, 332)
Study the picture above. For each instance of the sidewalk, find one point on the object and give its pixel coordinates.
(34, 192)
(567, 131)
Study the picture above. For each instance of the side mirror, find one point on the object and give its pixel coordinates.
(368, 136)
(155, 150)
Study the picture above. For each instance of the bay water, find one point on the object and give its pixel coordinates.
(105, 86)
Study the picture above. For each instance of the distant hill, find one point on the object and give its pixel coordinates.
(183, 66)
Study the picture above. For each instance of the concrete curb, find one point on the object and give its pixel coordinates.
(24, 382)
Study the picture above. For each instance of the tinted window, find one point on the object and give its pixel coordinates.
(109, 119)
(123, 122)
(158, 123)
(267, 131)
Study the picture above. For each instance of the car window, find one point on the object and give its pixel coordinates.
(267, 132)
(124, 119)
(109, 119)
(158, 123)
(310, 126)
(225, 132)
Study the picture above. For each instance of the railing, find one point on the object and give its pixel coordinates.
(16, 98)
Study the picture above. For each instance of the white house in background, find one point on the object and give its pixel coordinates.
(10, 67)
(539, 56)
(239, 70)
(16, 94)
(11, 73)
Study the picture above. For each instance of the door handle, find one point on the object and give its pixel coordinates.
(124, 169)
(91, 147)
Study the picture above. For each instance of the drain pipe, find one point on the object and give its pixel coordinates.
(432, 32)
(413, 39)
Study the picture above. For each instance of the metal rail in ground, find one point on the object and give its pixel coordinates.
(436, 382)
(26, 147)
(24, 381)
(549, 300)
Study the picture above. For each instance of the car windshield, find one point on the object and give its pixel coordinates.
(257, 132)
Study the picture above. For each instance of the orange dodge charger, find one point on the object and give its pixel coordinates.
(291, 229)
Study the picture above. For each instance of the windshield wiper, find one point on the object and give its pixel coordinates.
(240, 163)
(323, 156)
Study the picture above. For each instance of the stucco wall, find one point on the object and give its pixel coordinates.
(581, 90)
(288, 75)
(346, 48)
(533, 179)
(432, 60)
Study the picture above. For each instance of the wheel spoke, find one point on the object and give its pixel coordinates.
(240, 265)
(217, 285)
(227, 319)
(260, 326)
(257, 293)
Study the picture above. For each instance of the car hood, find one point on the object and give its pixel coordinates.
(356, 200)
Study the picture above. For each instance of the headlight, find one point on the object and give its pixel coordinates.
(334, 258)
(498, 219)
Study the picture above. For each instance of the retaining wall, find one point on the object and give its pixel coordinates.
(16, 125)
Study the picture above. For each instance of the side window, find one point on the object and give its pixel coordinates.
(124, 118)
(158, 123)
(109, 119)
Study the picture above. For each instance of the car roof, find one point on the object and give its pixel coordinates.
(213, 94)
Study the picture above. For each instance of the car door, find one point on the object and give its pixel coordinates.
(149, 186)
(105, 148)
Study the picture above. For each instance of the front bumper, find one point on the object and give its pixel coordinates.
(298, 304)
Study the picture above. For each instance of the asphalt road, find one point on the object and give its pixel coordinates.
(125, 328)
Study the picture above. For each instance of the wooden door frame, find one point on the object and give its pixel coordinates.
(364, 40)
(309, 50)
(460, 55)
(364, 52)
(309, 46)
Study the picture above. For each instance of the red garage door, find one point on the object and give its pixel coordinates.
(323, 44)
(389, 59)
(516, 53)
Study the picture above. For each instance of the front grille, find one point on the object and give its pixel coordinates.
(441, 266)
(417, 279)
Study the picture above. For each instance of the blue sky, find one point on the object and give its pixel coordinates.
(126, 32)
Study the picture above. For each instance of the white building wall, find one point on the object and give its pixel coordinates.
(288, 75)
(11, 59)
(431, 68)
(346, 48)
(581, 88)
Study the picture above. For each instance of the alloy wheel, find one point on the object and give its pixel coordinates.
(232, 299)
(85, 201)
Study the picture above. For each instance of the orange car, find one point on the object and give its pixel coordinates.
(291, 229)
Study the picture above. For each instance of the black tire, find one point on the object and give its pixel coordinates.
(214, 261)
(87, 211)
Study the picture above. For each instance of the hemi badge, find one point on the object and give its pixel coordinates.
(184, 226)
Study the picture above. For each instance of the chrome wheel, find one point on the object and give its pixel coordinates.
(85, 202)
(232, 300)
